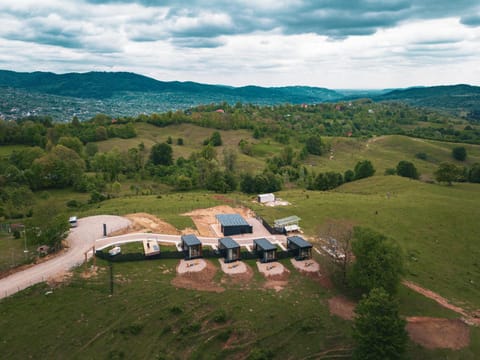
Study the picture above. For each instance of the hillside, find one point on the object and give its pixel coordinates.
(455, 98)
(129, 94)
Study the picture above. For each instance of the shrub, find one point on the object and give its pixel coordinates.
(459, 153)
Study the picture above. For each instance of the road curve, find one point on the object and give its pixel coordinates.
(80, 240)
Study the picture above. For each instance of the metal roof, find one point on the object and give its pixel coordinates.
(231, 220)
(287, 221)
(191, 240)
(264, 244)
(299, 241)
(229, 243)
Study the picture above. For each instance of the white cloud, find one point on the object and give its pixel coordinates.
(246, 41)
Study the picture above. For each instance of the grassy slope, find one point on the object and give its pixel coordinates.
(148, 318)
(384, 152)
(436, 226)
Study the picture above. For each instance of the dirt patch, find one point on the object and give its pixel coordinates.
(201, 280)
(237, 277)
(342, 307)
(59, 279)
(434, 333)
(310, 266)
(277, 275)
(205, 218)
(143, 222)
(90, 272)
(191, 266)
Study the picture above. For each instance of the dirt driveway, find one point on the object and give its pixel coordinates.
(80, 240)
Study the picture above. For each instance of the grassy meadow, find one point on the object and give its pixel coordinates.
(147, 317)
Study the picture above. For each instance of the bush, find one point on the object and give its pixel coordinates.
(364, 169)
(220, 316)
(421, 156)
(459, 153)
(407, 169)
(390, 171)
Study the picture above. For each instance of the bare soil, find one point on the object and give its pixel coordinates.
(242, 278)
(342, 307)
(143, 222)
(275, 273)
(205, 218)
(202, 280)
(471, 318)
(434, 333)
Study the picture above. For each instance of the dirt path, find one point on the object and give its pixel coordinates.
(469, 318)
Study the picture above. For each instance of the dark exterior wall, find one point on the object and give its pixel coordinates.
(235, 230)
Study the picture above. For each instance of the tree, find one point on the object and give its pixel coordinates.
(378, 330)
(73, 143)
(161, 154)
(339, 234)
(314, 145)
(216, 139)
(230, 159)
(474, 173)
(459, 153)
(378, 263)
(364, 169)
(407, 169)
(48, 227)
(91, 149)
(349, 176)
(448, 172)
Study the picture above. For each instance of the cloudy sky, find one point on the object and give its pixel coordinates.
(326, 43)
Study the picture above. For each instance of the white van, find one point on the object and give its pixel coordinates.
(73, 221)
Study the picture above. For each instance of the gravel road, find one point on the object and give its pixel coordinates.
(80, 240)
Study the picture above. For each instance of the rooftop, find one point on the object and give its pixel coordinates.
(229, 243)
(191, 240)
(231, 220)
(264, 244)
(287, 221)
(299, 241)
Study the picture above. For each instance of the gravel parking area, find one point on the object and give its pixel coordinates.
(306, 265)
(189, 266)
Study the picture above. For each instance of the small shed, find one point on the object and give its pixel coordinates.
(288, 224)
(191, 246)
(265, 249)
(229, 249)
(265, 198)
(301, 248)
(233, 224)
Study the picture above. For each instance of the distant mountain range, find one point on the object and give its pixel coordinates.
(127, 94)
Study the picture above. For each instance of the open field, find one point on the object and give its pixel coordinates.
(147, 317)
(436, 226)
(12, 251)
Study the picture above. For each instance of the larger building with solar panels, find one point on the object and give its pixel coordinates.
(233, 224)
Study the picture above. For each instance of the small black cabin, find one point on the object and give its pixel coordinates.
(191, 246)
(265, 249)
(301, 248)
(229, 249)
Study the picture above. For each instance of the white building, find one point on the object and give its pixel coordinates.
(265, 198)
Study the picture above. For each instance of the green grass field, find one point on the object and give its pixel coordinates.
(436, 225)
(384, 151)
(148, 318)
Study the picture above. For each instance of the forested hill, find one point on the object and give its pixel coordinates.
(103, 85)
(453, 98)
